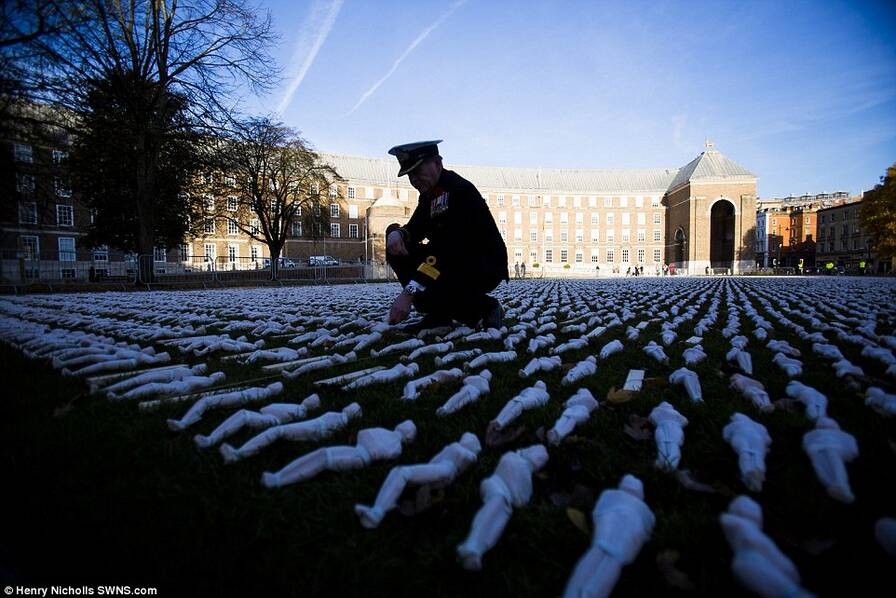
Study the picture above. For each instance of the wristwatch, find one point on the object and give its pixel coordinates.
(413, 288)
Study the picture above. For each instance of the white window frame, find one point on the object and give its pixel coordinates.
(351, 192)
(232, 228)
(353, 211)
(61, 211)
(66, 255)
(233, 253)
(611, 256)
(296, 228)
(334, 210)
(24, 182)
(26, 242)
(335, 230)
(625, 256)
(159, 252)
(23, 152)
(101, 253)
(352, 231)
(657, 256)
(564, 256)
(232, 203)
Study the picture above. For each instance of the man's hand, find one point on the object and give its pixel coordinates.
(401, 308)
(395, 244)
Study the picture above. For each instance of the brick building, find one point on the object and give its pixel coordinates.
(843, 242)
(568, 221)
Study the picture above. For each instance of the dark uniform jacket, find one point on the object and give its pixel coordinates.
(464, 242)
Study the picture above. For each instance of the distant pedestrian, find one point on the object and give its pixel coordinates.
(523, 269)
(516, 269)
(596, 271)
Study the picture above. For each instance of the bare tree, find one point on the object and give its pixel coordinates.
(273, 177)
(203, 51)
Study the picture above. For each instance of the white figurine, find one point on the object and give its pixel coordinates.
(689, 380)
(583, 369)
(181, 386)
(227, 399)
(408, 345)
(540, 342)
(783, 347)
(622, 525)
(412, 389)
(577, 410)
(486, 358)
(322, 364)
(758, 563)
(396, 372)
(373, 444)
(433, 349)
(791, 367)
(742, 359)
(827, 351)
(753, 390)
(656, 351)
(693, 355)
(530, 398)
(830, 448)
(473, 388)
(439, 472)
(269, 415)
(815, 402)
(750, 440)
(318, 428)
(541, 364)
(573, 345)
(669, 435)
(610, 348)
(844, 368)
(114, 391)
(883, 403)
(457, 356)
(510, 486)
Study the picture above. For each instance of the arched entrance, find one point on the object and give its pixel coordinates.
(678, 251)
(721, 235)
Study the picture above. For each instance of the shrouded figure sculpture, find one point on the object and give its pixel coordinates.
(829, 448)
(510, 486)
(758, 563)
(269, 415)
(529, 398)
(227, 399)
(622, 525)
(310, 430)
(689, 380)
(441, 470)
(473, 388)
(577, 410)
(669, 435)
(750, 440)
(373, 444)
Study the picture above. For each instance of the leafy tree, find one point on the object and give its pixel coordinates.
(161, 58)
(878, 214)
(274, 178)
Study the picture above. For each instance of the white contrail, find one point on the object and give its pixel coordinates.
(404, 55)
(321, 19)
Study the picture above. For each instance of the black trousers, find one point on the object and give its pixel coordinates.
(455, 295)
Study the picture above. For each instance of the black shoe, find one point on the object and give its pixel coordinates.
(494, 316)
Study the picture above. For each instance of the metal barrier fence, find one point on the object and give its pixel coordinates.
(29, 271)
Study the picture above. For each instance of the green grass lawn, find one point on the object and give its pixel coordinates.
(99, 493)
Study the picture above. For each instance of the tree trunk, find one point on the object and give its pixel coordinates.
(147, 161)
(275, 249)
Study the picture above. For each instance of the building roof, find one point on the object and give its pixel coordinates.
(711, 166)
(382, 172)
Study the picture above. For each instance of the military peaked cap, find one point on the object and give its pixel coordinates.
(411, 155)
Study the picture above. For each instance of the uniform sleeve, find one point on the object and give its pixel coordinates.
(417, 227)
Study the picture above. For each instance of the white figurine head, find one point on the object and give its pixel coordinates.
(407, 430)
(536, 454)
(826, 423)
(485, 374)
(541, 385)
(746, 507)
(352, 411)
(470, 442)
(311, 402)
(632, 485)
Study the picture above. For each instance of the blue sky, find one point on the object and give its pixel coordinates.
(801, 93)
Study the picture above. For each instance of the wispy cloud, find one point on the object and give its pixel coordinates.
(423, 35)
(314, 32)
